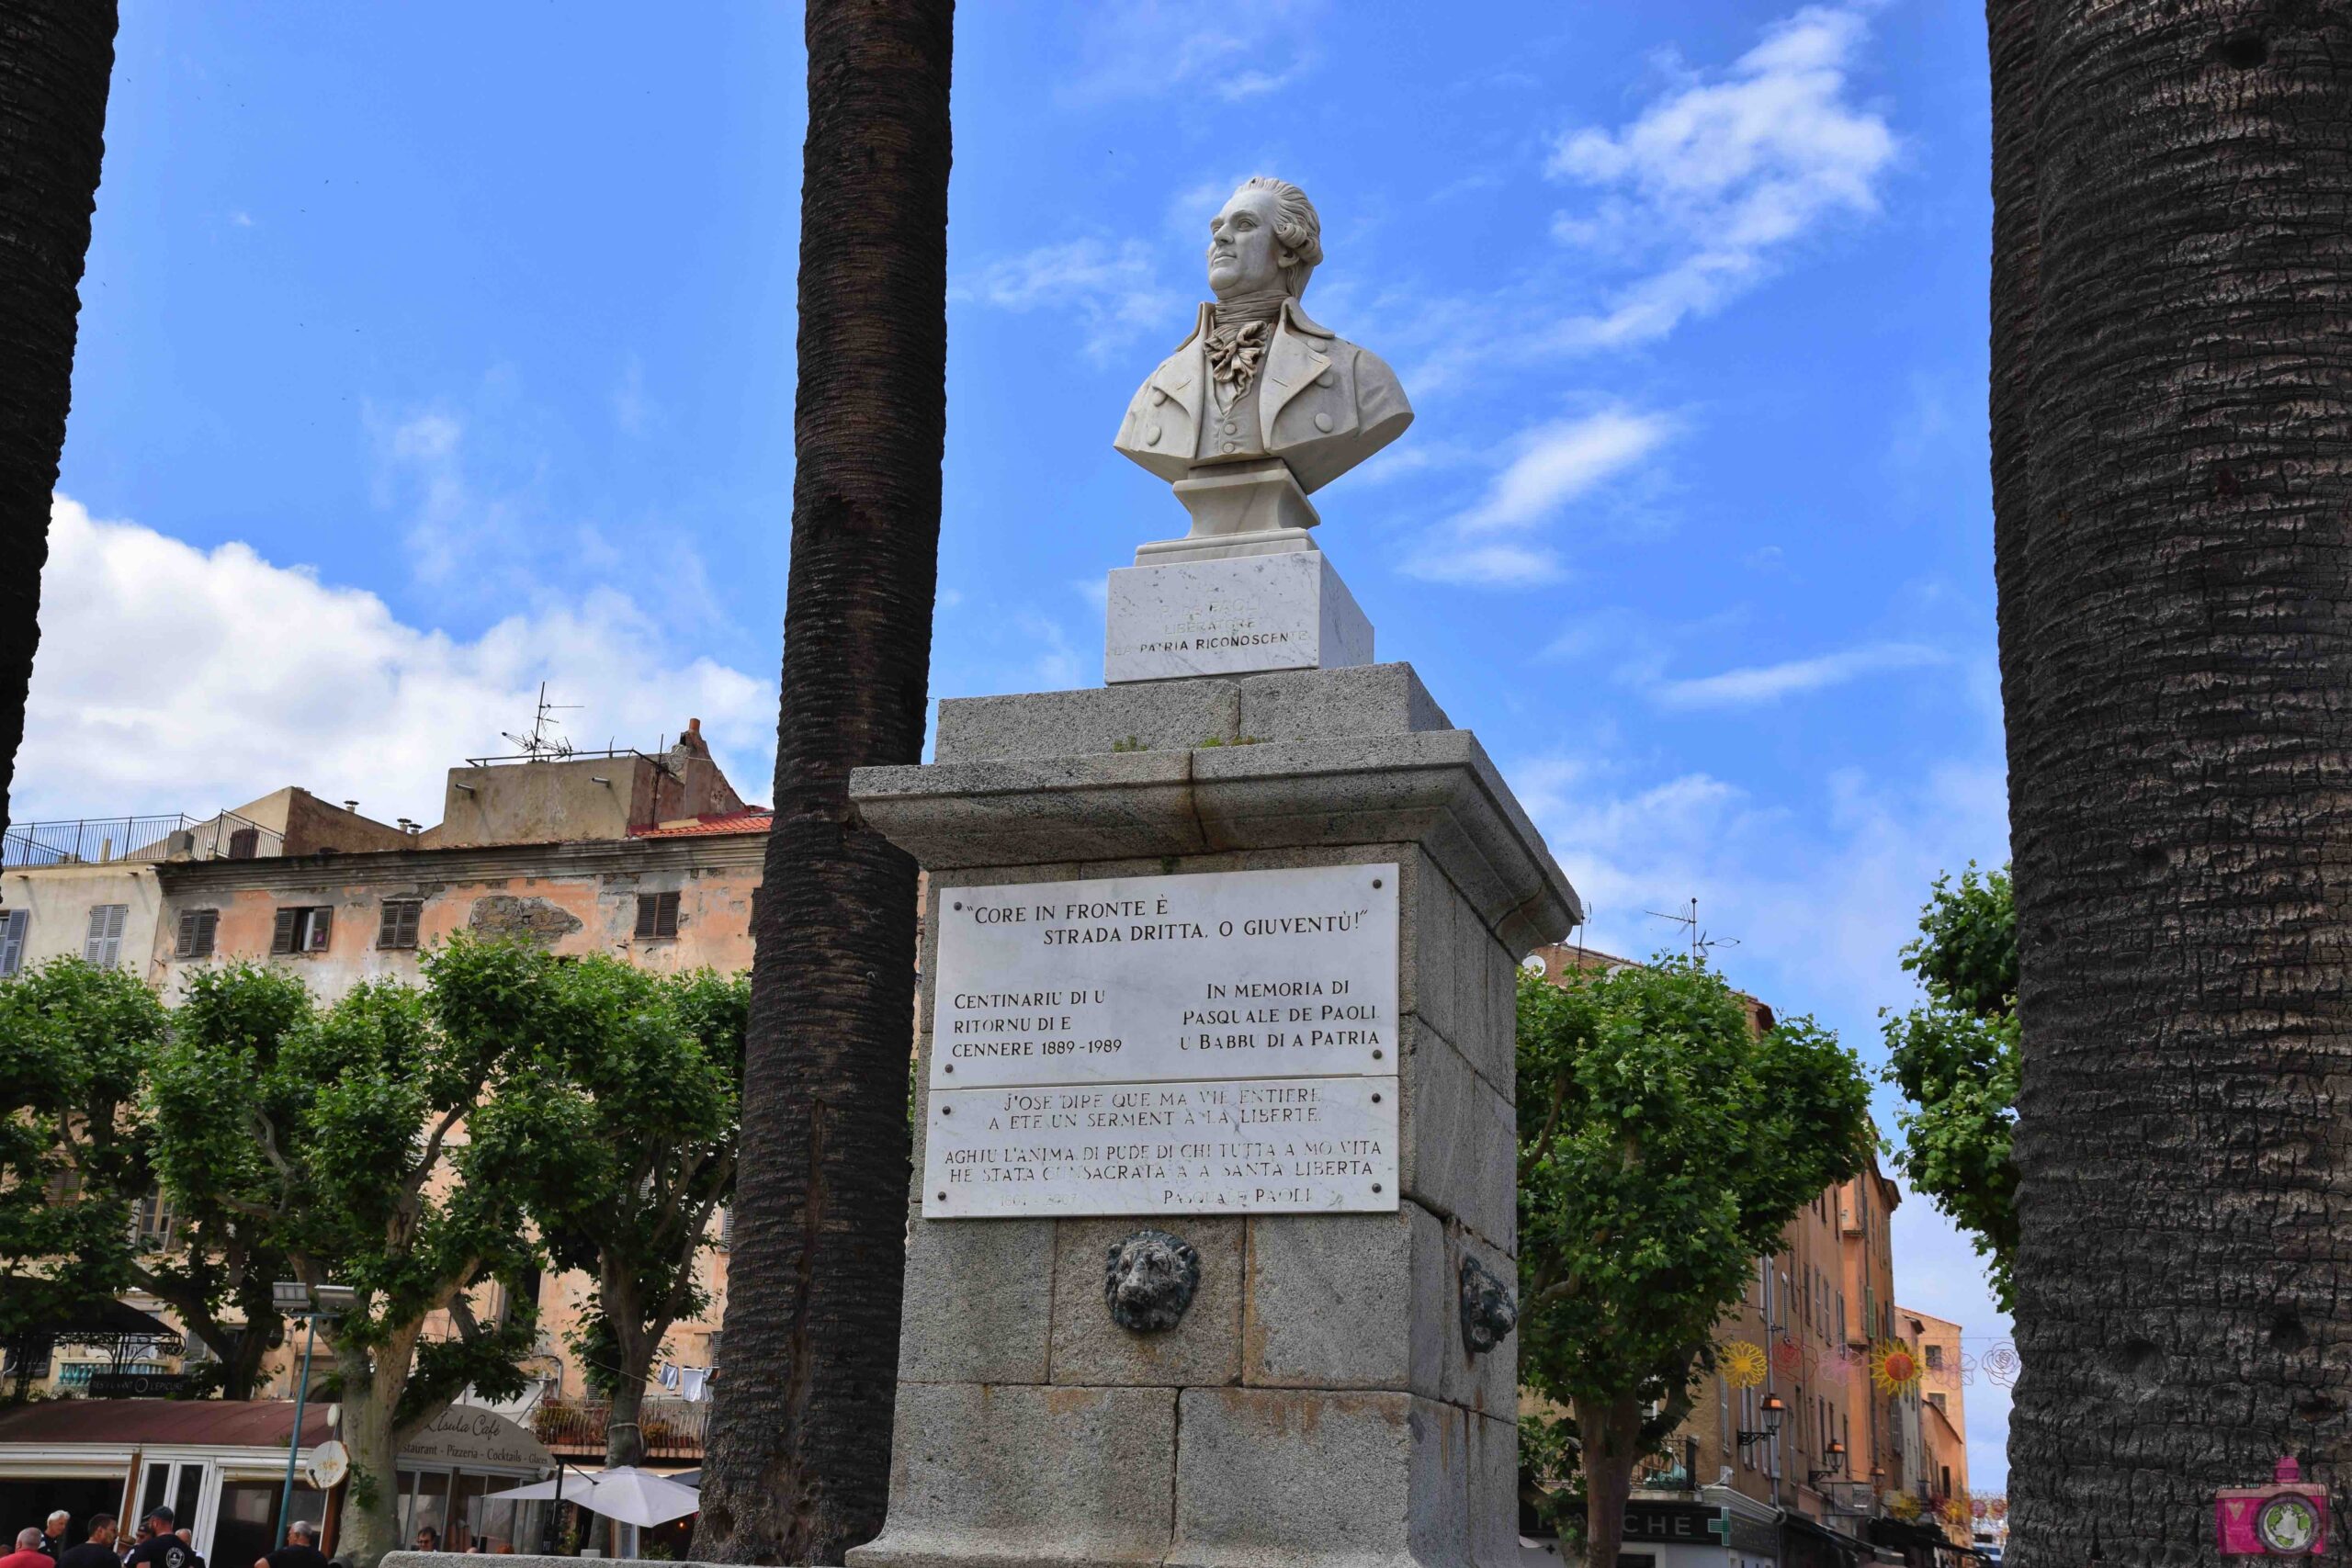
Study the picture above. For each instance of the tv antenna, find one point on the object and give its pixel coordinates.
(1702, 943)
(540, 745)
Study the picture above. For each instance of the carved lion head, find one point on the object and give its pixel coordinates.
(1148, 1280)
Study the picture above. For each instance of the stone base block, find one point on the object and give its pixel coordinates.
(1281, 1478)
(1231, 616)
(1010, 1474)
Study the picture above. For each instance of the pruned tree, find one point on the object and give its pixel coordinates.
(80, 1040)
(799, 1447)
(56, 61)
(345, 1130)
(75, 1040)
(1664, 1144)
(1955, 1058)
(2171, 409)
(631, 1130)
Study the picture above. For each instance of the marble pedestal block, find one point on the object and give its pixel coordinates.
(1238, 509)
(1231, 616)
(1317, 1403)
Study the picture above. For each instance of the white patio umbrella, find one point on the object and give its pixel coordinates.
(637, 1497)
(624, 1492)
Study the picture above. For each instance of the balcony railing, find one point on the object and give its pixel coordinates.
(671, 1428)
(101, 840)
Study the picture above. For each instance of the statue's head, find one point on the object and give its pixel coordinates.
(1265, 236)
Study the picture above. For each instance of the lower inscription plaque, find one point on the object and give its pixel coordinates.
(1219, 1146)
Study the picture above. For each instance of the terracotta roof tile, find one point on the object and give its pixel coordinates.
(748, 821)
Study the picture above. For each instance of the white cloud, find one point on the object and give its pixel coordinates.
(1113, 289)
(1549, 466)
(1147, 49)
(1756, 685)
(1715, 176)
(1556, 463)
(633, 411)
(171, 678)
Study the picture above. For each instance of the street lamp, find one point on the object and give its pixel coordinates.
(294, 1299)
(1771, 1410)
(1836, 1451)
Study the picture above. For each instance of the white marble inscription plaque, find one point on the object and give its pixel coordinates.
(1217, 1146)
(1231, 616)
(1138, 979)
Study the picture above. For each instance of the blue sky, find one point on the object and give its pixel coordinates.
(429, 352)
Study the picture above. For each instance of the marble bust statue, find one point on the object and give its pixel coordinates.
(1261, 404)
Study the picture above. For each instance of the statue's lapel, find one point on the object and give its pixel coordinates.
(1292, 366)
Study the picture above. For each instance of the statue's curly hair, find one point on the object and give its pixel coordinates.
(1297, 228)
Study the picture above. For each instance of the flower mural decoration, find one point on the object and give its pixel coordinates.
(1742, 1364)
(2000, 1364)
(1788, 1358)
(1894, 1368)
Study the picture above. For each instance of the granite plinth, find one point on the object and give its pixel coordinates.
(1317, 1404)
(1231, 615)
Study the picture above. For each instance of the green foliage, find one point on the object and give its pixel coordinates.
(333, 1127)
(624, 1138)
(1955, 1059)
(1664, 1144)
(74, 1041)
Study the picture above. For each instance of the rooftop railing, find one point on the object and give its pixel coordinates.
(104, 841)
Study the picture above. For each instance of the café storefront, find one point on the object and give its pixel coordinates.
(1721, 1528)
(220, 1465)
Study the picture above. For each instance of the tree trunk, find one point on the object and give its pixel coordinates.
(371, 1520)
(1610, 1441)
(56, 57)
(800, 1451)
(2172, 456)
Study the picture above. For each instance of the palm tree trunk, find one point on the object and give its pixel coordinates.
(2172, 410)
(799, 1452)
(56, 58)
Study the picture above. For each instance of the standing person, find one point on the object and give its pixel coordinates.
(300, 1551)
(52, 1537)
(163, 1548)
(28, 1553)
(188, 1539)
(99, 1551)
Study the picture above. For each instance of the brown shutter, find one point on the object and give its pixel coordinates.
(665, 916)
(208, 930)
(646, 904)
(321, 925)
(281, 937)
(186, 946)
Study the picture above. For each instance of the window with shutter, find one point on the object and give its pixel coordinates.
(13, 926)
(398, 924)
(103, 944)
(322, 923)
(197, 928)
(657, 915)
(281, 938)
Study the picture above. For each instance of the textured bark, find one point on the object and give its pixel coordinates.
(799, 1450)
(56, 57)
(1610, 1443)
(2172, 447)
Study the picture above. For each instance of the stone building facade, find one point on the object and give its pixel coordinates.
(652, 858)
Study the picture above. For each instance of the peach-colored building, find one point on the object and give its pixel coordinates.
(1942, 1483)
